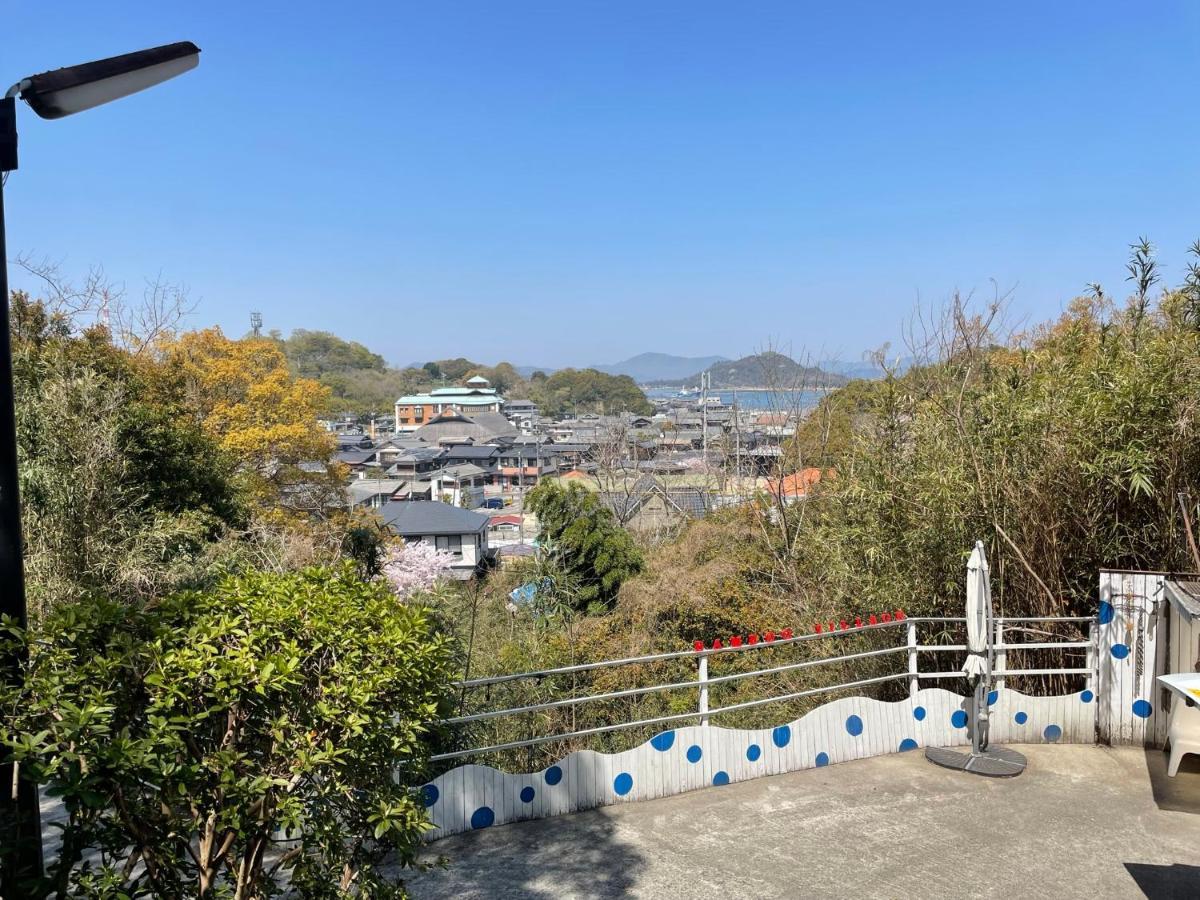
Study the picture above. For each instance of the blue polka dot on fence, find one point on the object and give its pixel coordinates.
(694, 753)
(1087, 696)
(781, 736)
(1052, 733)
(822, 758)
(907, 744)
(429, 795)
(1142, 709)
(993, 696)
(753, 752)
(1105, 614)
(553, 775)
(482, 817)
(1119, 651)
(623, 784)
(959, 719)
(854, 726)
(1021, 718)
(721, 778)
(919, 714)
(527, 794)
(663, 742)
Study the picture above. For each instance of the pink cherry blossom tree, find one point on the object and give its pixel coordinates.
(415, 566)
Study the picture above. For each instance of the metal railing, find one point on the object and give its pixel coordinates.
(913, 675)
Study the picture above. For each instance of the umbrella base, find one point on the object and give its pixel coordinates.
(995, 762)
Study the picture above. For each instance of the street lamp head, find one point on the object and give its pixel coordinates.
(62, 92)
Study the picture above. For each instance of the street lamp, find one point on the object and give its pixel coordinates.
(51, 95)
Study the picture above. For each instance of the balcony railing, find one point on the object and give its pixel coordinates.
(912, 651)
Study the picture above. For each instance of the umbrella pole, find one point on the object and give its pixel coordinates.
(980, 741)
(979, 717)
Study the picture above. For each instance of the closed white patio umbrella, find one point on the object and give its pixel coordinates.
(982, 760)
(979, 614)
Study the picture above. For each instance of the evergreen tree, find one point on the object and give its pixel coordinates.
(584, 537)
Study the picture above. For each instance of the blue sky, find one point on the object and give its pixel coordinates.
(572, 183)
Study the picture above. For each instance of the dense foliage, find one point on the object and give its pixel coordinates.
(189, 694)
(312, 354)
(242, 394)
(228, 742)
(1073, 440)
(359, 382)
(120, 491)
(583, 537)
(571, 391)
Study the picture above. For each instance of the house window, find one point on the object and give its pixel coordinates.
(451, 542)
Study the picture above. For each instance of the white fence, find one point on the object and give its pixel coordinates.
(1117, 658)
(1133, 619)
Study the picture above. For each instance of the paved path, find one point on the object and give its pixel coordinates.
(1084, 822)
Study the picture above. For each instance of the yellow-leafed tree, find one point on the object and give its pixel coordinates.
(249, 401)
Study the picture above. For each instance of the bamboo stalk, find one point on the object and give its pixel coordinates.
(1187, 526)
(1028, 568)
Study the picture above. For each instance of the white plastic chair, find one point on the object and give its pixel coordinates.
(1183, 733)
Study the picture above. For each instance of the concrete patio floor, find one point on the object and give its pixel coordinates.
(1080, 822)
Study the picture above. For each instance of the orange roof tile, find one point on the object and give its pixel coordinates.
(796, 484)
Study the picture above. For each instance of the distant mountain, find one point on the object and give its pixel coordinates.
(527, 371)
(864, 369)
(653, 367)
(770, 369)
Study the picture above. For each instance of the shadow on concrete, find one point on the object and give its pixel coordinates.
(546, 858)
(1166, 882)
(1178, 794)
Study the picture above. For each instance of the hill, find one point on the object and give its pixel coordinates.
(865, 368)
(651, 367)
(760, 370)
(528, 371)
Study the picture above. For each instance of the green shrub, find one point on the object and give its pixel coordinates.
(230, 742)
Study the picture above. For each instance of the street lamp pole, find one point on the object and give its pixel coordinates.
(23, 833)
(51, 95)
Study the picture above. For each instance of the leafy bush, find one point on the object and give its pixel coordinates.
(230, 742)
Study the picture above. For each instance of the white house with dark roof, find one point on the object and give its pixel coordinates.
(460, 484)
(459, 531)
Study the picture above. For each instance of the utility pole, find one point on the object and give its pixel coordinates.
(737, 445)
(704, 382)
